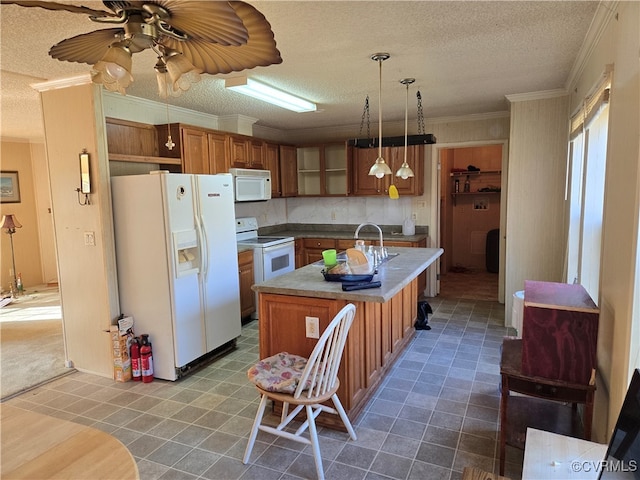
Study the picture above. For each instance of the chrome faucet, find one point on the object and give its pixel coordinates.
(373, 225)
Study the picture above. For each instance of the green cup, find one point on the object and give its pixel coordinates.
(329, 257)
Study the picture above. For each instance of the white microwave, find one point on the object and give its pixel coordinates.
(251, 185)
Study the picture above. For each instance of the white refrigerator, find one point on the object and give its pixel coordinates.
(177, 263)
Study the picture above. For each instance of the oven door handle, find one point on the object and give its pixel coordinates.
(279, 246)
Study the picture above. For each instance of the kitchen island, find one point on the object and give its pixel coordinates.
(382, 328)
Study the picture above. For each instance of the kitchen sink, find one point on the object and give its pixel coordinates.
(342, 257)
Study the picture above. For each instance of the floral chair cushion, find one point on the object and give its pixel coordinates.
(278, 373)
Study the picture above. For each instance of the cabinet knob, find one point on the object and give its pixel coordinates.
(318, 243)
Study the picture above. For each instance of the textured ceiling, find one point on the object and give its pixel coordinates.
(465, 56)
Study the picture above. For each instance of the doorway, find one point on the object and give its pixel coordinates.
(469, 210)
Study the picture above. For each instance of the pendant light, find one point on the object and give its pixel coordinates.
(405, 171)
(380, 168)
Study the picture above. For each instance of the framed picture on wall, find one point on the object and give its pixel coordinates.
(9, 187)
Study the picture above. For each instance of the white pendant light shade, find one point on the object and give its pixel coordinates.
(380, 167)
(114, 69)
(405, 171)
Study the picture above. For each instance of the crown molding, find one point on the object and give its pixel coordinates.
(64, 82)
(541, 95)
(607, 9)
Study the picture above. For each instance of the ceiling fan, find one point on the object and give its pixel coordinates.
(189, 36)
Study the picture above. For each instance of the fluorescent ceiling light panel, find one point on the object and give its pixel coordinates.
(268, 94)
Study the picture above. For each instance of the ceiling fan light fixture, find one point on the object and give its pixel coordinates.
(268, 94)
(181, 72)
(114, 69)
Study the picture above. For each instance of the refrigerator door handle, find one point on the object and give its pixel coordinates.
(204, 260)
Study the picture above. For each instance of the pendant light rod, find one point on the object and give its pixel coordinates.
(380, 57)
(405, 171)
(380, 168)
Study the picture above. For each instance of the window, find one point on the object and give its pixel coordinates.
(585, 189)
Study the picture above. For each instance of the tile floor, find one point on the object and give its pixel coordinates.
(436, 412)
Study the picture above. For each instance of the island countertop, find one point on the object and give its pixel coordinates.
(394, 274)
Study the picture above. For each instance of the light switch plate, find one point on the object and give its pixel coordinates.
(312, 325)
(90, 239)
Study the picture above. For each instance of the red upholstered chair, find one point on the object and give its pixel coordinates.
(304, 384)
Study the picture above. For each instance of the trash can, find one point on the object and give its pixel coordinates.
(492, 250)
(517, 312)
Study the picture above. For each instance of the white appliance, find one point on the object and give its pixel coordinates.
(272, 255)
(177, 264)
(251, 185)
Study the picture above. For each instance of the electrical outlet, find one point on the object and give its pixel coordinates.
(89, 239)
(312, 325)
(414, 216)
(333, 215)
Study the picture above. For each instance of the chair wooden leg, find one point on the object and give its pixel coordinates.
(315, 445)
(343, 416)
(254, 429)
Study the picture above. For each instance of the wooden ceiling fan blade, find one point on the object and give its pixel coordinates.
(87, 47)
(259, 51)
(59, 6)
(211, 21)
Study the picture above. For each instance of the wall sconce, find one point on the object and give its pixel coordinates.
(85, 178)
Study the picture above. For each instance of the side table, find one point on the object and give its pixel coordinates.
(542, 405)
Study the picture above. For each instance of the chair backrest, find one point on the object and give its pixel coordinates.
(323, 363)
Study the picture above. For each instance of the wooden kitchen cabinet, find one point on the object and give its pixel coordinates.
(323, 170)
(280, 160)
(299, 252)
(201, 151)
(255, 149)
(136, 142)
(312, 249)
(272, 163)
(288, 171)
(365, 184)
(238, 151)
(379, 334)
(245, 272)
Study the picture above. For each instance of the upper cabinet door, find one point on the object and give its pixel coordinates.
(256, 153)
(288, 171)
(365, 184)
(195, 151)
(272, 163)
(218, 159)
(238, 151)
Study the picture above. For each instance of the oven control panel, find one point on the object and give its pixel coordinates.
(246, 224)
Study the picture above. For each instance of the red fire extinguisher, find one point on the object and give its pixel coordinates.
(146, 359)
(136, 369)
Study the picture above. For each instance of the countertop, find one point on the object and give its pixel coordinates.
(344, 231)
(394, 274)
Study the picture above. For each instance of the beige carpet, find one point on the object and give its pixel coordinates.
(32, 348)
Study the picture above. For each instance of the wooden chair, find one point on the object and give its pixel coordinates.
(305, 384)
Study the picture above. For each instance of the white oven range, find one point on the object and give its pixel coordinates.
(272, 255)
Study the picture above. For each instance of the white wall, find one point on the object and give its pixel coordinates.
(535, 233)
(618, 339)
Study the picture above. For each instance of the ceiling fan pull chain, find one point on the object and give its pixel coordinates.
(170, 143)
(421, 130)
